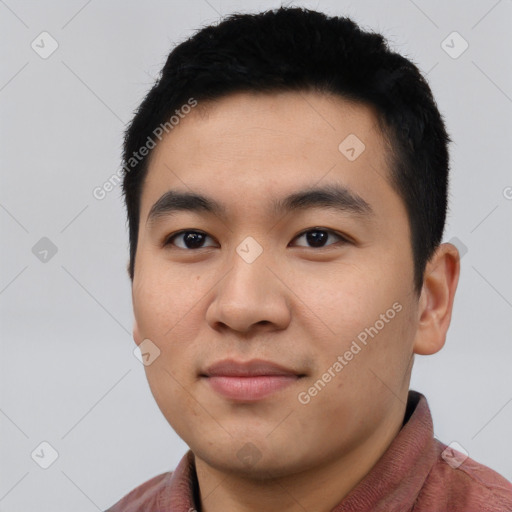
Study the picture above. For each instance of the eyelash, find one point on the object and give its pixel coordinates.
(168, 240)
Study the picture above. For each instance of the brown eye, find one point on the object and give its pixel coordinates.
(188, 240)
(317, 237)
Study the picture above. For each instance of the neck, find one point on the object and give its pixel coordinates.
(320, 488)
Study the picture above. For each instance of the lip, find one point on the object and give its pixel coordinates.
(252, 368)
(249, 381)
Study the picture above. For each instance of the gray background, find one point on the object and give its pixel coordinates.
(68, 375)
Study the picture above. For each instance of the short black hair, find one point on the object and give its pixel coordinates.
(297, 49)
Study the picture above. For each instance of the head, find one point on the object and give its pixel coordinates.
(307, 164)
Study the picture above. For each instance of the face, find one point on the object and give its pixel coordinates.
(285, 318)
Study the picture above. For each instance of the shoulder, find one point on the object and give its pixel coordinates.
(459, 483)
(144, 497)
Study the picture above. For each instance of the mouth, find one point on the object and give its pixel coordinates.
(249, 381)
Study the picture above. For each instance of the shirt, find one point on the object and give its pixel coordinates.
(417, 473)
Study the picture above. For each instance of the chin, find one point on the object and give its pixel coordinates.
(246, 459)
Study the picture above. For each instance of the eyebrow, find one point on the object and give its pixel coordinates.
(333, 196)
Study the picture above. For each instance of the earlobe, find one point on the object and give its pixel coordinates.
(436, 300)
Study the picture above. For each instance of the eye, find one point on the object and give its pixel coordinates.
(318, 237)
(193, 240)
(189, 239)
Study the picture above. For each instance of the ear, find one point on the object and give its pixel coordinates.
(436, 300)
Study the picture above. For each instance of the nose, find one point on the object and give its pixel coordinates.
(250, 297)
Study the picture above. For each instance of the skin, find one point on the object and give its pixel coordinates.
(298, 305)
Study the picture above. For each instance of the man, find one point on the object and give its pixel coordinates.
(286, 186)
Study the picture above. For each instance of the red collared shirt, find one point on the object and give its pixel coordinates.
(417, 473)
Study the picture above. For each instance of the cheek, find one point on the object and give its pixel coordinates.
(168, 311)
(342, 302)
(160, 303)
(168, 392)
(361, 314)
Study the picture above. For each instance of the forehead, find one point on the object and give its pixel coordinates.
(249, 149)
